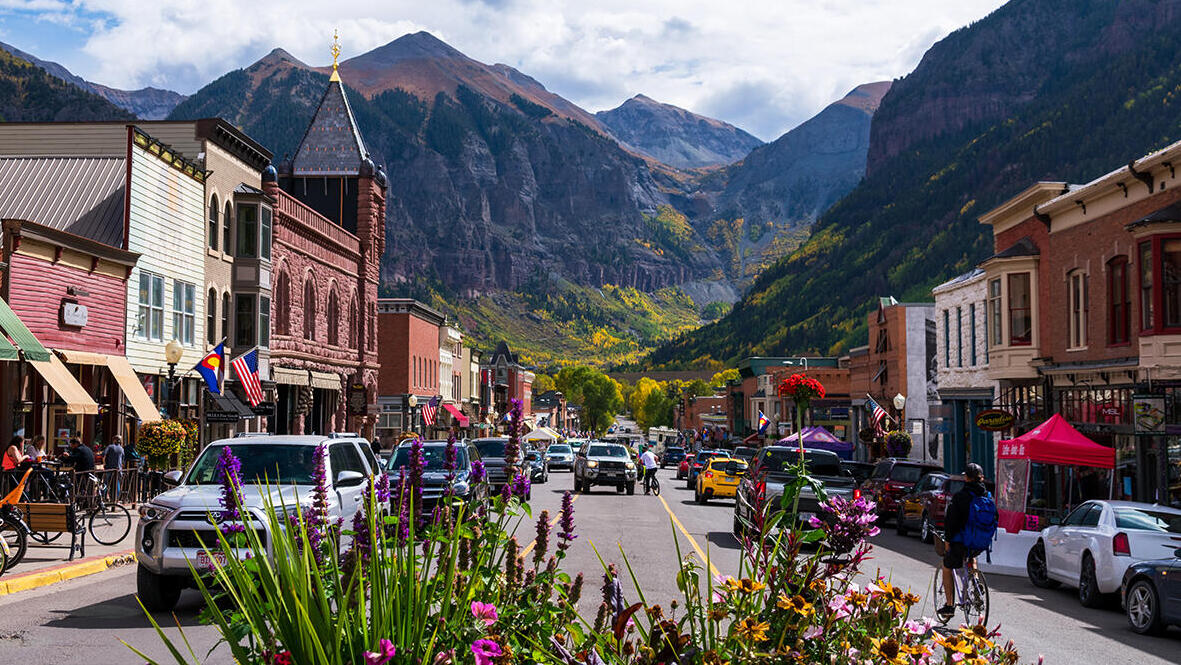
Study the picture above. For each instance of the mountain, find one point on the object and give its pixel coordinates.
(1039, 89)
(675, 136)
(30, 94)
(145, 103)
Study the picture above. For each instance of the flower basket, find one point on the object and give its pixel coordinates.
(160, 440)
(898, 444)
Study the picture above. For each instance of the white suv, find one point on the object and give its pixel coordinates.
(171, 523)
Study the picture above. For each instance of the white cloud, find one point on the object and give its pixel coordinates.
(765, 65)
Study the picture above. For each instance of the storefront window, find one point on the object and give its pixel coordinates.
(1170, 265)
(1125, 468)
(1020, 310)
(1146, 286)
(1173, 470)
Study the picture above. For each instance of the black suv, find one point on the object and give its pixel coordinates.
(436, 477)
(492, 454)
(672, 455)
(598, 463)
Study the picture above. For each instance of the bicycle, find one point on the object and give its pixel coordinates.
(971, 592)
(109, 522)
(14, 535)
(651, 482)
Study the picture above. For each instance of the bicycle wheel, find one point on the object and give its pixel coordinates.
(14, 535)
(45, 537)
(937, 596)
(655, 486)
(110, 523)
(975, 601)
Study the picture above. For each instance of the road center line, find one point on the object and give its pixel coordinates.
(530, 546)
(692, 541)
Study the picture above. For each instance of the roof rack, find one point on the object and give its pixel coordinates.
(344, 435)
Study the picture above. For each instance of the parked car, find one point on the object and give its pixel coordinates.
(744, 453)
(1151, 594)
(437, 478)
(892, 478)
(598, 463)
(538, 466)
(772, 468)
(699, 462)
(861, 470)
(720, 479)
(1096, 544)
(491, 451)
(174, 529)
(684, 466)
(560, 456)
(925, 505)
(672, 455)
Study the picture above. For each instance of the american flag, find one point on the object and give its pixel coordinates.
(877, 416)
(429, 410)
(246, 369)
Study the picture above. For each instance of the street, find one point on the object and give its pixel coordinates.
(87, 618)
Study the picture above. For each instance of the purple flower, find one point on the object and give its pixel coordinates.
(542, 541)
(485, 651)
(848, 523)
(317, 517)
(512, 450)
(566, 523)
(361, 535)
(479, 473)
(417, 465)
(383, 489)
(229, 472)
(506, 492)
(384, 654)
(521, 486)
(485, 612)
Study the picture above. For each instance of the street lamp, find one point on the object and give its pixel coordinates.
(411, 402)
(900, 406)
(172, 355)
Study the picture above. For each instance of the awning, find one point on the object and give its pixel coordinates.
(133, 389)
(65, 385)
(21, 336)
(289, 376)
(228, 405)
(126, 377)
(325, 380)
(457, 414)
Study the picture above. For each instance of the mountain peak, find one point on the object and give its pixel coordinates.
(867, 96)
(643, 99)
(275, 57)
(414, 46)
(675, 136)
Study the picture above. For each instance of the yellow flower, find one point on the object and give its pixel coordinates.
(889, 651)
(796, 604)
(752, 629)
(894, 596)
(718, 612)
(978, 635)
(745, 585)
(955, 643)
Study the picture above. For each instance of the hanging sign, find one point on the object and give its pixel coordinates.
(358, 399)
(1150, 413)
(994, 420)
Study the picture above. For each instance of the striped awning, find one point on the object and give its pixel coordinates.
(21, 336)
(133, 390)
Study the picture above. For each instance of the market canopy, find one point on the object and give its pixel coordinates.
(819, 438)
(543, 434)
(1057, 442)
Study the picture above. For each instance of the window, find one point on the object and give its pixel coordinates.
(1078, 298)
(227, 237)
(264, 241)
(211, 317)
(1119, 320)
(972, 330)
(264, 321)
(184, 305)
(214, 223)
(225, 316)
(309, 310)
(947, 338)
(247, 231)
(1170, 277)
(283, 304)
(984, 308)
(150, 322)
(245, 318)
(1146, 309)
(333, 319)
(1020, 310)
(372, 327)
(344, 457)
(353, 325)
(959, 336)
(994, 312)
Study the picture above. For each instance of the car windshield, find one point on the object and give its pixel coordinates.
(436, 458)
(491, 447)
(559, 449)
(279, 464)
(607, 451)
(905, 473)
(782, 461)
(1147, 519)
(721, 464)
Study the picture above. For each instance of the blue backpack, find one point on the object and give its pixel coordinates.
(981, 526)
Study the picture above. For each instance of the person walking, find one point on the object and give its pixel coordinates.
(113, 456)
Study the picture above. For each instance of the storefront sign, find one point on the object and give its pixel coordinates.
(1150, 413)
(264, 409)
(221, 416)
(74, 314)
(358, 400)
(994, 420)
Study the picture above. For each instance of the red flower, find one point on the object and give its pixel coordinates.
(801, 388)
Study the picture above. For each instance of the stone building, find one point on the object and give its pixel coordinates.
(329, 235)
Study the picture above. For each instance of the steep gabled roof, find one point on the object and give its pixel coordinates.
(332, 144)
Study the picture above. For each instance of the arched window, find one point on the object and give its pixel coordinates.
(353, 324)
(227, 236)
(372, 327)
(214, 224)
(283, 304)
(333, 319)
(211, 317)
(225, 315)
(309, 310)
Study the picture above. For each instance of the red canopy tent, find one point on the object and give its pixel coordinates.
(1056, 442)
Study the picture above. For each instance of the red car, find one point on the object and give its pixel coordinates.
(925, 506)
(686, 464)
(892, 479)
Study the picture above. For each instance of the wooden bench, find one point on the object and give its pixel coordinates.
(56, 518)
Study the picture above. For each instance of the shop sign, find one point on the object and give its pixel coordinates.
(266, 409)
(994, 420)
(1150, 413)
(358, 400)
(74, 314)
(221, 416)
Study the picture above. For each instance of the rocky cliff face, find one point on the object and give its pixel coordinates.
(675, 136)
(145, 103)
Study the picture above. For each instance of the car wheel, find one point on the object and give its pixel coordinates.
(1088, 585)
(1143, 608)
(926, 530)
(899, 523)
(1035, 567)
(631, 488)
(158, 593)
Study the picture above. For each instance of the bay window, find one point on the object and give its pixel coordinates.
(1020, 310)
(247, 231)
(245, 322)
(1146, 308)
(994, 312)
(184, 307)
(1078, 299)
(264, 321)
(1119, 306)
(1170, 279)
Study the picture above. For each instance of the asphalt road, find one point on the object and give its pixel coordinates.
(83, 620)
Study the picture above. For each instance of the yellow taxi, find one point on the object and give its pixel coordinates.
(719, 479)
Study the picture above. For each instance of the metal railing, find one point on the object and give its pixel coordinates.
(51, 485)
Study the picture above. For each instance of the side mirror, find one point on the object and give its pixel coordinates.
(1177, 553)
(172, 478)
(349, 478)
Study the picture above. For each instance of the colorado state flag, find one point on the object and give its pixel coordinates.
(210, 368)
(763, 422)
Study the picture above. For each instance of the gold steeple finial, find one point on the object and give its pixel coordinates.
(335, 55)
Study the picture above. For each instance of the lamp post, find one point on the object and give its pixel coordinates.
(411, 402)
(172, 355)
(900, 406)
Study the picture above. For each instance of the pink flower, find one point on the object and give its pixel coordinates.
(444, 657)
(919, 628)
(839, 607)
(812, 632)
(485, 651)
(384, 654)
(485, 612)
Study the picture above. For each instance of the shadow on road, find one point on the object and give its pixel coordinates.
(124, 612)
(723, 539)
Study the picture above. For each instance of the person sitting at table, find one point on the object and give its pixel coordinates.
(80, 457)
(13, 457)
(35, 449)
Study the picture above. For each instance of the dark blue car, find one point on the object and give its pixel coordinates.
(1151, 594)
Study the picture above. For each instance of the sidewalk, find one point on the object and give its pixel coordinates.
(47, 564)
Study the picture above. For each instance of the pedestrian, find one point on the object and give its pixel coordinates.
(113, 463)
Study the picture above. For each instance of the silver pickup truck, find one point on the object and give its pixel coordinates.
(773, 467)
(175, 524)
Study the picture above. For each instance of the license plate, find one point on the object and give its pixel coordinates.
(204, 560)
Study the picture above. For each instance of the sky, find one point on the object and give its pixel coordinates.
(763, 65)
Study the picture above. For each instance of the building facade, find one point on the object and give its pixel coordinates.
(508, 380)
(408, 350)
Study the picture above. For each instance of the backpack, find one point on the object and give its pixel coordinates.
(981, 525)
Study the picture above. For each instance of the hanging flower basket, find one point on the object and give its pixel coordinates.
(801, 389)
(898, 443)
(160, 440)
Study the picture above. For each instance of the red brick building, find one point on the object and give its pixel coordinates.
(509, 380)
(329, 235)
(408, 343)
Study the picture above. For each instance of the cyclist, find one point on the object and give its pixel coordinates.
(969, 526)
(648, 460)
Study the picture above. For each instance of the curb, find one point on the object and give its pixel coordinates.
(69, 571)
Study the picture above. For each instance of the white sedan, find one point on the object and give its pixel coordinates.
(1097, 542)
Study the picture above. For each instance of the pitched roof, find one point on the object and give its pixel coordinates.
(80, 195)
(1169, 213)
(1023, 247)
(332, 144)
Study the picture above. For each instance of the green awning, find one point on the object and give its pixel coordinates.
(20, 334)
(7, 350)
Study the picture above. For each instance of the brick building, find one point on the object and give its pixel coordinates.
(329, 235)
(408, 351)
(509, 380)
(759, 384)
